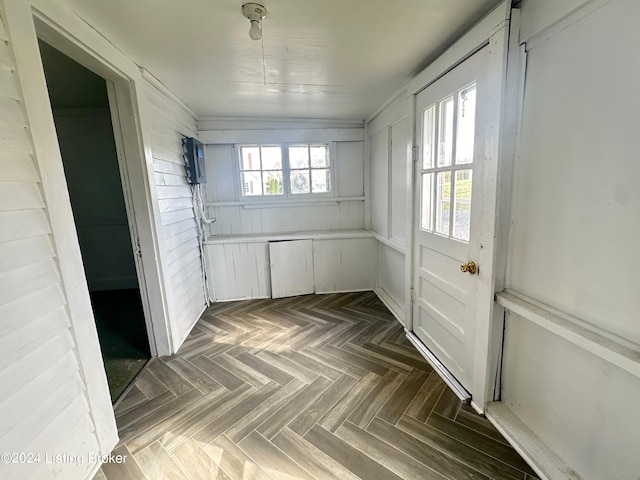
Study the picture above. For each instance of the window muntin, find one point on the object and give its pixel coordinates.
(284, 170)
(445, 207)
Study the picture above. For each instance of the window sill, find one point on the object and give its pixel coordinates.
(287, 203)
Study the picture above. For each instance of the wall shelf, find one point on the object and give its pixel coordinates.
(279, 237)
(619, 352)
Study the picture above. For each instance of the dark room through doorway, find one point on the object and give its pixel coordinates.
(82, 116)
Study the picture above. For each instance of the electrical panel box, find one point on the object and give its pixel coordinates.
(194, 160)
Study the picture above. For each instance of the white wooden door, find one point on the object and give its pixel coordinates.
(449, 172)
(291, 268)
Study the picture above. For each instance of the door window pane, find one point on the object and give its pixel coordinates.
(462, 205)
(466, 125)
(443, 202)
(427, 137)
(445, 133)
(425, 202)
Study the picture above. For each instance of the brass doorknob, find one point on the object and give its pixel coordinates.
(470, 267)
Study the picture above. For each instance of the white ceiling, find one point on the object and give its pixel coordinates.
(338, 59)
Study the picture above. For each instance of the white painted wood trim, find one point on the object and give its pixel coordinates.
(391, 243)
(409, 269)
(20, 25)
(276, 123)
(472, 41)
(240, 299)
(604, 345)
(488, 328)
(534, 451)
(440, 369)
(277, 237)
(263, 136)
(351, 290)
(390, 303)
(510, 130)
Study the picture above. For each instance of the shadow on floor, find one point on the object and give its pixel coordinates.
(123, 336)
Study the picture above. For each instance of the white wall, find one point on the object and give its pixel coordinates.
(44, 390)
(343, 211)
(576, 231)
(168, 121)
(388, 137)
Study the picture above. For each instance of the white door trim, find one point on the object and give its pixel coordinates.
(492, 31)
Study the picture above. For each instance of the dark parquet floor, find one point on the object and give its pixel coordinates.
(312, 387)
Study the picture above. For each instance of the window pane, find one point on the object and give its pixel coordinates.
(425, 204)
(427, 137)
(250, 158)
(300, 181)
(271, 158)
(251, 183)
(443, 202)
(319, 156)
(298, 156)
(320, 180)
(462, 205)
(466, 125)
(272, 182)
(445, 132)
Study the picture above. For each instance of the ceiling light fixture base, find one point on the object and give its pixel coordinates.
(254, 12)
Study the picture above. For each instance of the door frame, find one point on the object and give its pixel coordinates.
(491, 32)
(133, 167)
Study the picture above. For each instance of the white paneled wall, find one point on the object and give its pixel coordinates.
(329, 215)
(43, 390)
(389, 140)
(575, 234)
(183, 275)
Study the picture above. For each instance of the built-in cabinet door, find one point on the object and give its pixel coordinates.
(449, 117)
(291, 268)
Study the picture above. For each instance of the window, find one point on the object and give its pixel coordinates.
(448, 129)
(290, 170)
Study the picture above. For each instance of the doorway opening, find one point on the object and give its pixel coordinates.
(81, 109)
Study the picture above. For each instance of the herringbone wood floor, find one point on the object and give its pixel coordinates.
(313, 387)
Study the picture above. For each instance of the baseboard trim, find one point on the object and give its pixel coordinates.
(531, 448)
(391, 304)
